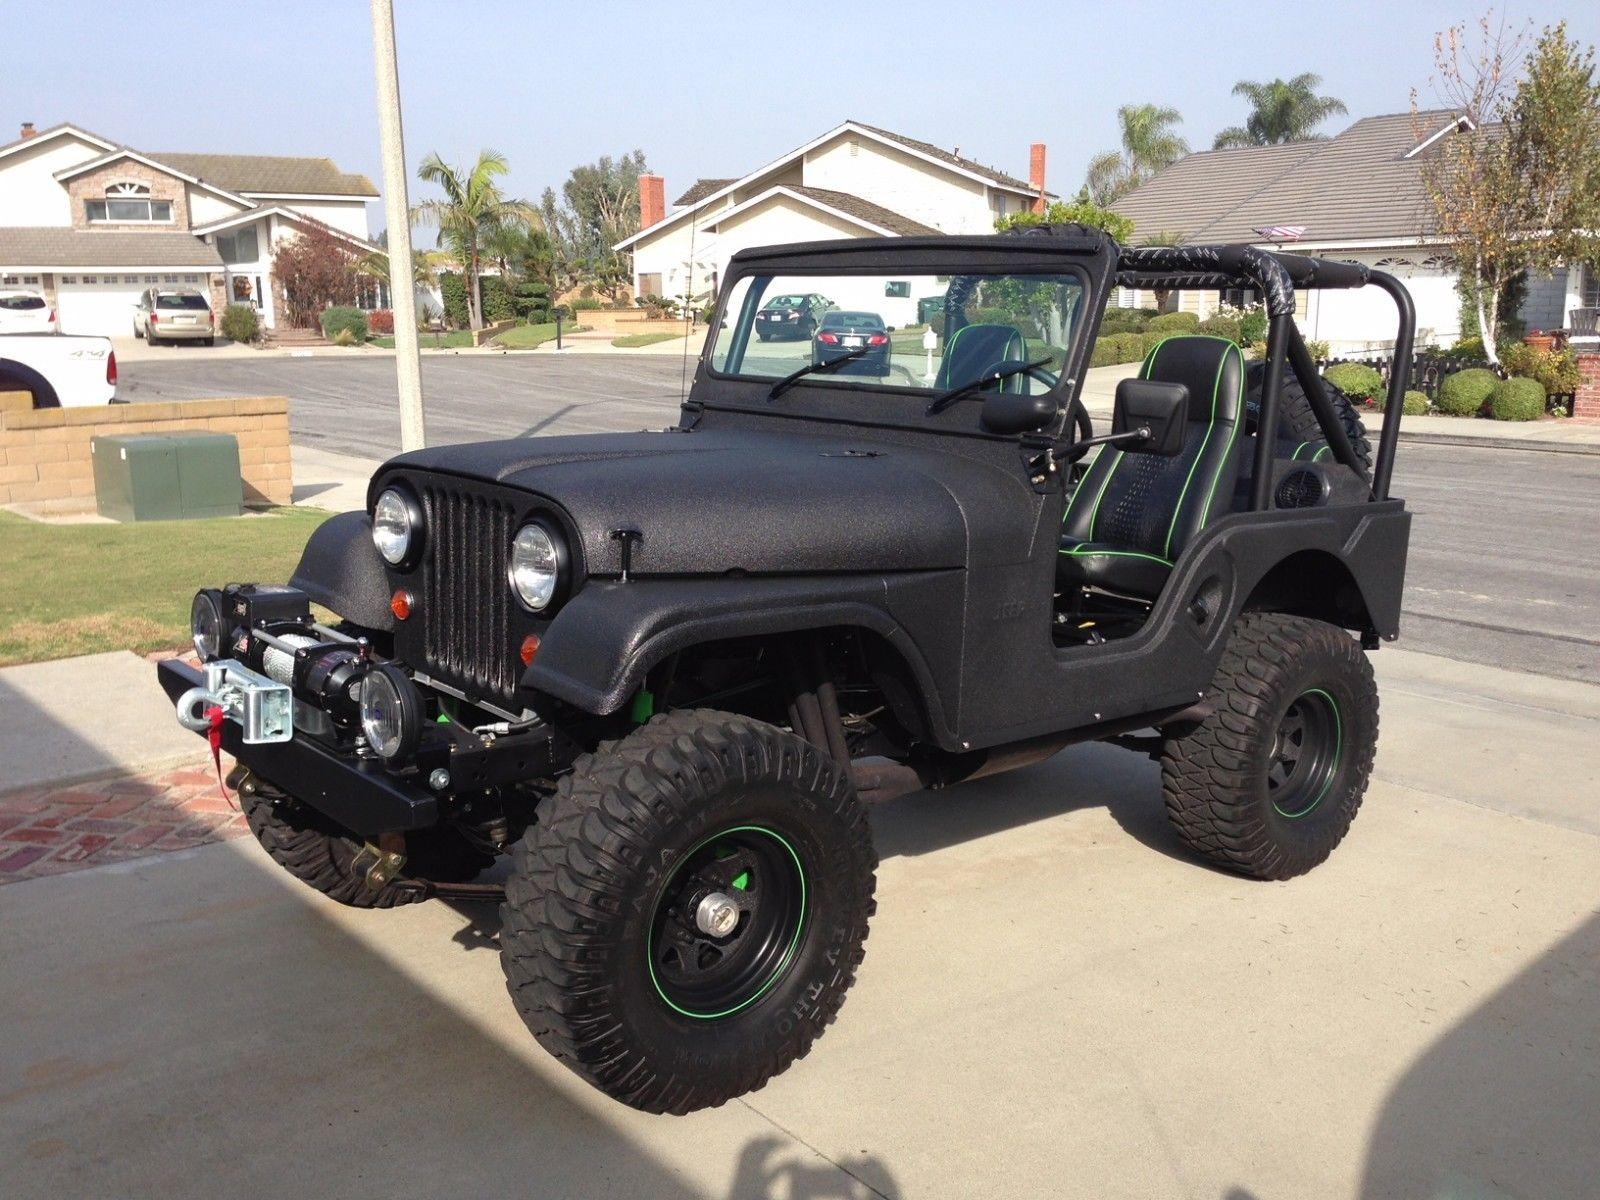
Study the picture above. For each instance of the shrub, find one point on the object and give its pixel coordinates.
(1175, 322)
(532, 301)
(380, 321)
(341, 317)
(1469, 347)
(1517, 399)
(586, 304)
(453, 295)
(1253, 325)
(1222, 326)
(345, 337)
(1320, 351)
(1557, 372)
(1361, 383)
(1466, 392)
(1126, 320)
(240, 323)
(1416, 403)
(498, 302)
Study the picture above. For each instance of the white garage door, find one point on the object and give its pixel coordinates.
(101, 304)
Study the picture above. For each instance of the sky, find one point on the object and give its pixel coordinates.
(705, 89)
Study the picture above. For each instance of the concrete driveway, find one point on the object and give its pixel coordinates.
(1055, 1002)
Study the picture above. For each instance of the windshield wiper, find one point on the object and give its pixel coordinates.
(794, 377)
(945, 399)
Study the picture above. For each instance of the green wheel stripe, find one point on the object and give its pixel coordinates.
(1338, 753)
(788, 955)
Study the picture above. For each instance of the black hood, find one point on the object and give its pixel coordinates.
(711, 502)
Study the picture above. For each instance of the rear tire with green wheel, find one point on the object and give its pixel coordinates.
(1268, 784)
(688, 912)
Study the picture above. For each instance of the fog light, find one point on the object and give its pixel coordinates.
(206, 624)
(400, 604)
(391, 712)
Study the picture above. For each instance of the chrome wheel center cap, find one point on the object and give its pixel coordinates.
(716, 915)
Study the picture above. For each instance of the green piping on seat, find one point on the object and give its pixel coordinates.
(1078, 551)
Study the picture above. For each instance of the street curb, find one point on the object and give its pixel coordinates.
(1499, 443)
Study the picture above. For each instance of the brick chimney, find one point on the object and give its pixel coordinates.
(1036, 174)
(652, 200)
(28, 130)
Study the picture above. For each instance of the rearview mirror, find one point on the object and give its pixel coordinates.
(1162, 408)
(1012, 413)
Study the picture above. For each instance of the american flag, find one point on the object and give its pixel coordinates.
(1283, 233)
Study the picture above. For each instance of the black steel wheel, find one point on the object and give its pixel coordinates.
(685, 917)
(1268, 784)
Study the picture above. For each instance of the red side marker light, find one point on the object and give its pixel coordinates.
(530, 647)
(400, 604)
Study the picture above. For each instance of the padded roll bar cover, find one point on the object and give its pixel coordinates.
(341, 569)
(1324, 272)
(1260, 267)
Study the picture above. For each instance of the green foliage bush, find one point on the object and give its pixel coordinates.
(1222, 326)
(1176, 322)
(240, 323)
(1253, 325)
(586, 304)
(1517, 399)
(1360, 382)
(341, 317)
(498, 303)
(532, 300)
(1416, 403)
(1126, 320)
(1466, 392)
(1556, 371)
(453, 292)
(1469, 347)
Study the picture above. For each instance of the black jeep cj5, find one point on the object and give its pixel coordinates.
(665, 672)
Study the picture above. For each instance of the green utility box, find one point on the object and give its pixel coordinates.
(167, 476)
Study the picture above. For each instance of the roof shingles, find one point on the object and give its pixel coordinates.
(58, 246)
(270, 174)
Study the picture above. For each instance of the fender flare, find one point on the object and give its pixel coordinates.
(599, 647)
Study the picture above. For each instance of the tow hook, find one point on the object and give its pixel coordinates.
(377, 866)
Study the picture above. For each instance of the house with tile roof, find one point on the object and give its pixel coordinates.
(855, 180)
(92, 223)
(1357, 196)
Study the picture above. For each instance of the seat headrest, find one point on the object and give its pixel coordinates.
(974, 349)
(1212, 368)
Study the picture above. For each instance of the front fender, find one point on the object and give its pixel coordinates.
(341, 569)
(603, 641)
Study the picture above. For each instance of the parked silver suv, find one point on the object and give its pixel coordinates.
(164, 314)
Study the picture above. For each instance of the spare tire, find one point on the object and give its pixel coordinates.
(1297, 424)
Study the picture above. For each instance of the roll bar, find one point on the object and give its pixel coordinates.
(1275, 276)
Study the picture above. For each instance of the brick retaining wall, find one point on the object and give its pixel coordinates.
(45, 461)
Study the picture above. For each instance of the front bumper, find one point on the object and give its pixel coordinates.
(359, 794)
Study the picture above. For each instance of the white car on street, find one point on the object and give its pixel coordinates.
(24, 311)
(61, 370)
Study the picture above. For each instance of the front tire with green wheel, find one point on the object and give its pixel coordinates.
(1268, 784)
(688, 913)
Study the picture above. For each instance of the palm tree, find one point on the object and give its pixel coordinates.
(472, 209)
(1281, 111)
(1148, 145)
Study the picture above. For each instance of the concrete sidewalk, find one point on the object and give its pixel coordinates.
(1055, 1002)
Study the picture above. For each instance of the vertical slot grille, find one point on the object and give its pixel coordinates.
(467, 615)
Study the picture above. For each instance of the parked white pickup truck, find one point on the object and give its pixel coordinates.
(61, 371)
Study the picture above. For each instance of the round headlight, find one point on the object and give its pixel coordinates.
(391, 712)
(206, 625)
(393, 522)
(535, 566)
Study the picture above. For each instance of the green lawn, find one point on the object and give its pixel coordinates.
(455, 339)
(631, 341)
(526, 337)
(82, 589)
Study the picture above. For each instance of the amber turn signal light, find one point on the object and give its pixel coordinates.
(400, 604)
(530, 647)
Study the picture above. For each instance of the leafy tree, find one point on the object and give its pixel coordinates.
(1082, 211)
(1148, 145)
(1163, 238)
(1515, 188)
(316, 268)
(473, 207)
(598, 207)
(1281, 110)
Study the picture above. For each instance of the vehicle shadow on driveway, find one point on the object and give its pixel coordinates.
(204, 1026)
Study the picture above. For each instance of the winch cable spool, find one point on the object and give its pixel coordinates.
(278, 664)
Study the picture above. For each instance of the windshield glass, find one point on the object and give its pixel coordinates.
(180, 300)
(786, 302)
(21, 303)
(944, 330)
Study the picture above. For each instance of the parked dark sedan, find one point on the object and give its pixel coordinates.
(842, 332)
(793, 317)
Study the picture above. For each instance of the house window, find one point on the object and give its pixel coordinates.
(91, 279)
(191, 279)
(650, 283)
(239, 247)
(129, 202)
(8, 279)
(1591, 287)
(31, 279)
(69, 279)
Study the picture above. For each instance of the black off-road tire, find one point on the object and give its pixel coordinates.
(590, 876)
(319, 853)
(1215, 777)
(1297, 423)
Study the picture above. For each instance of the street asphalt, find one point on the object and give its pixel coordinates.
(1505, 554)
